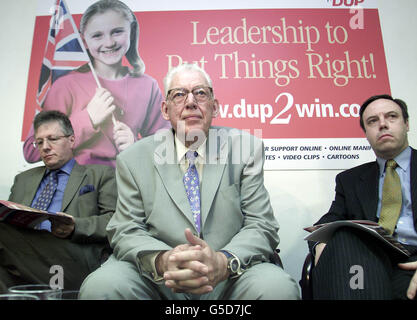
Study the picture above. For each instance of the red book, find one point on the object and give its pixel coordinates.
(24, 216)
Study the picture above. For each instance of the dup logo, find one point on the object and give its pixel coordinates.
(357, 20)
(346, 3)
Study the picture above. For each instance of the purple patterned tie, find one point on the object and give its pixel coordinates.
(47, 193)
(192, 187)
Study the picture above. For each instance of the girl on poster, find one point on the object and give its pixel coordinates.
(106, 120)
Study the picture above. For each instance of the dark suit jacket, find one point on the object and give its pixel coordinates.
(357, 193)
(92, 208)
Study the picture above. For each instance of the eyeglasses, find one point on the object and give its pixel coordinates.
(51, 140)
(201, 94)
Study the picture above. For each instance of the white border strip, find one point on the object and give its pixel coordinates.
(79, 6)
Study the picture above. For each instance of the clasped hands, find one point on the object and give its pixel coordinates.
(192, 267)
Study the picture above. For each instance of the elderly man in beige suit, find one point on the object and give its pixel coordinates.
(215, 242)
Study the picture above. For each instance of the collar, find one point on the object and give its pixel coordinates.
(182, 150)
(403, 161)
(66, 168)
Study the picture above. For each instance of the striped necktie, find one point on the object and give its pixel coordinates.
(391, 198)
(47, 193)
(192, 188)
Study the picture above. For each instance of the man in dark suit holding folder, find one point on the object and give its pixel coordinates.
(85, 194)
(353, 265)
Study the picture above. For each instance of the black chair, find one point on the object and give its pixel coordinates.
(305, 282)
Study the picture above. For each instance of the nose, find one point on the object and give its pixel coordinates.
(46, 145)
(109, 41)
(190, 101)
(382, 122)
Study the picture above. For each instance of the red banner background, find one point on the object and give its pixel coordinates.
(313, 56)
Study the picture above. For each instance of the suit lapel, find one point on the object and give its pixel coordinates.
(216, 158)
(32, 186)
(171, 175)
(367, 189)
(75, 179)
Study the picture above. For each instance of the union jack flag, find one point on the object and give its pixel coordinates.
(64, 50)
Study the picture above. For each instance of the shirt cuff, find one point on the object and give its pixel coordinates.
(147, 262)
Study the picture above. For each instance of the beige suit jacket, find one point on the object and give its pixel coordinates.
(153, 210)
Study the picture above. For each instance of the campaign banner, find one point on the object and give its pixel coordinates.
(295, 77)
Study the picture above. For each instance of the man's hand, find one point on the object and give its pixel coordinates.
(59, 228)
(412, 288)
(163, 262)
(194, 267)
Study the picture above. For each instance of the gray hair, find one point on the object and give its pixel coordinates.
(54, 116)
(184, 67)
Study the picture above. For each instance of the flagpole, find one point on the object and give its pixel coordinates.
(90, 64)
(93, 71)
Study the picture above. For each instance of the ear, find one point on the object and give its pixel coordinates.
(215, 108)
(71, 140)
(164, 110)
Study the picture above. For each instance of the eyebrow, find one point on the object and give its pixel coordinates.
(193, 88)
(385, 114)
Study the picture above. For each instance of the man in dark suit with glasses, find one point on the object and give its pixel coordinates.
(84, 194)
